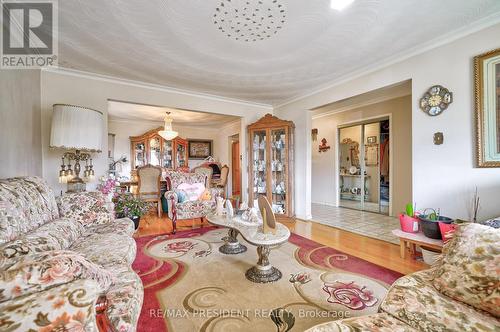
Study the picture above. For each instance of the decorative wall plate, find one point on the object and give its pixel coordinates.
(436, 100)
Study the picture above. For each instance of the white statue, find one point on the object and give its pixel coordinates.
(219, 210)
(229, 209)
(244, 206)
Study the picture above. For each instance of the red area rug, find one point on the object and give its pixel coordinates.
(190, 286)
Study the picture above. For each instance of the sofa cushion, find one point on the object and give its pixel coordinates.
(125, 299)
(469, 269)
(25, 204)
(196, 209)
(414, 300)
(381, 322)
(56, 235)
(118, 226)
(88, 208)
(69, 307)
(38, 272)
(107, 249)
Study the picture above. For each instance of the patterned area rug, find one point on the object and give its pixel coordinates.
(190, 286)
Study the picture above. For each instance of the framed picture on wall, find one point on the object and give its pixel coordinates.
(487, 102)
(199, 149)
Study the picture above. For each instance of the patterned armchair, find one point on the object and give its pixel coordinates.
(188, 209)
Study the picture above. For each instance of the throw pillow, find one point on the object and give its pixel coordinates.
(35, 273)
(468, 271)
(206, 196)
(193, 191)
(181, 196)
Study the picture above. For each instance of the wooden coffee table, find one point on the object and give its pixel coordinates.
(411, 240)
(263, 271)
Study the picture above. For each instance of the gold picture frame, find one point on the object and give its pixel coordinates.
(487, 108)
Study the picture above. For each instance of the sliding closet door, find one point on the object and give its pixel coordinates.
(351, 177)
(371, 167)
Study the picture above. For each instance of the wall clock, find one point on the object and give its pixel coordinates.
(436, 100)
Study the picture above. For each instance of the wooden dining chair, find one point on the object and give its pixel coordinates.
(148, 187)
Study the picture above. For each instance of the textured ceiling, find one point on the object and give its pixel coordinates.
(126, 111)
(178, 43)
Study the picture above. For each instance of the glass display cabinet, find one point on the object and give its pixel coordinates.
(271, 161)
(151, 148)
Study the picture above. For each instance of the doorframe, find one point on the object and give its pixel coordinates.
(336, 167)
(232, 139)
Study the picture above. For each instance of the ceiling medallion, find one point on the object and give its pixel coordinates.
(249, 20)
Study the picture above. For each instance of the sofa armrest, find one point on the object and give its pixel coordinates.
(88, 207)
(68, 306)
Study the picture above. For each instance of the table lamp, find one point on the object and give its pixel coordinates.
(79, 130)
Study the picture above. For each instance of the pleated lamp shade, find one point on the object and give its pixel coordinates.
(76, 128)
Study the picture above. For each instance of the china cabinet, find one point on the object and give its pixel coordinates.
(151, 148)
(271, 163)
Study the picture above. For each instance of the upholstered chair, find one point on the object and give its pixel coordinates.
(148, 187)
(222, 182)
(206, 170)
(188, 197)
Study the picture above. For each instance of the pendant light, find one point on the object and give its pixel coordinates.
(168, 133)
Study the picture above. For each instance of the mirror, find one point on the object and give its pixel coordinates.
(487, 102)
(349, 154)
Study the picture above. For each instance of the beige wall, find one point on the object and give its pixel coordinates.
(20, 127)
(325, 165)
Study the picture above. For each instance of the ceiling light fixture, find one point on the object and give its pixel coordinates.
(168, 133)
(340, 4)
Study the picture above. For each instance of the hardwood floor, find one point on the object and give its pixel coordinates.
(378, 252)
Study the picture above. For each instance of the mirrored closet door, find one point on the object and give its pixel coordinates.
(364, 166)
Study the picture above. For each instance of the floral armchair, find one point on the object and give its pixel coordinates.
(192, 207)
(53, 274)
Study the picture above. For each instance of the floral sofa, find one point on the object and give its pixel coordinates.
(189, 209)
(58, 257)
(461, 292)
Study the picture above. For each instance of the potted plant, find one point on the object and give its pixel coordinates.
(129, 206)
(408, 221)
(430, 223)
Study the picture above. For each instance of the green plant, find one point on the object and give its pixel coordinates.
(130, 206)
(410, 211)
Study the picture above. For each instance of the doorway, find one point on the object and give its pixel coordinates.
(364, 165)
(236, 166)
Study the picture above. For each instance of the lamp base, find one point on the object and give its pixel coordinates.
(76, 185)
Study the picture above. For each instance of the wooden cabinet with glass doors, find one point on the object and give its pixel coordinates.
(271, 163)
(151, 148)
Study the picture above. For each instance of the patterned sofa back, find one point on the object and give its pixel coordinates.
(26, 203)
(174, 179)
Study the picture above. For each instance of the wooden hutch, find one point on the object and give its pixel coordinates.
(151, 148)
(271, 163)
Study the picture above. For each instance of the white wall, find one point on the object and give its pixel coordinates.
(20, 123)
(444, 176)
(93, 92)
(123, 129)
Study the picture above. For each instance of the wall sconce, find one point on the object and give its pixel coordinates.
(314, 134)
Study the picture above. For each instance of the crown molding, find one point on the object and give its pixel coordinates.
(160, 124)
(140, 84)
(450, 37)
(373, 101)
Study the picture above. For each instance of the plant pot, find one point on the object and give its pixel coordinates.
(136, 220)
(431, 227)
(408, 224)
(429, 255)
(447, 230)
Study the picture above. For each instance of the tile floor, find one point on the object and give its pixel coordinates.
(373, 225)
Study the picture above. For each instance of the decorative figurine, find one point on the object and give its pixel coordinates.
(219, 210)
(229, 209)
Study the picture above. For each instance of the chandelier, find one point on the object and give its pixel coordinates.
(168, 133)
